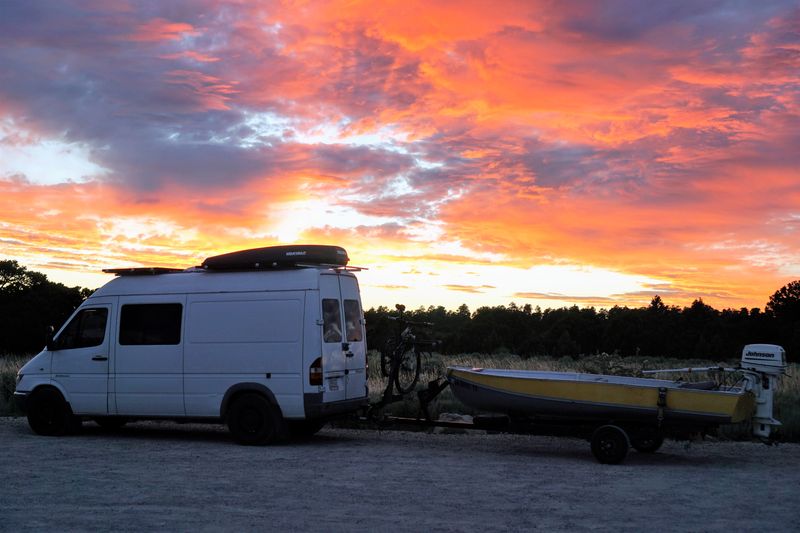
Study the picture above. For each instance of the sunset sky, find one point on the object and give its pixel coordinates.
(544, 152)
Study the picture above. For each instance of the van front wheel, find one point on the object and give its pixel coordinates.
(253, 420)
(49, 414)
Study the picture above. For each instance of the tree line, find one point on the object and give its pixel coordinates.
(658, 330)
(30, 303)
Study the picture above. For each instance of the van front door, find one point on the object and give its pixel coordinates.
(80, 359)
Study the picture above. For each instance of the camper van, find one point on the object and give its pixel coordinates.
(269, 341)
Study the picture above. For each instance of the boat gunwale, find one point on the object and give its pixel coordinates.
(640, 382)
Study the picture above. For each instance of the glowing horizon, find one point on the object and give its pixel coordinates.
(589, 153)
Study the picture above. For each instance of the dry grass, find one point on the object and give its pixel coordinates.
(9, 364)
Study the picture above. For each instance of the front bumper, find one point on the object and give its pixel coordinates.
(21, 400)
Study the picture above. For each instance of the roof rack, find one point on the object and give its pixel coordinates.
(141, 271)
(267, 258)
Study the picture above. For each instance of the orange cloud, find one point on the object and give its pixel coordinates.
(159, 29)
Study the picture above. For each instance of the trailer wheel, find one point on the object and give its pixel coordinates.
(253, 420)
(610, 444)
(647, 440)
(49, 414)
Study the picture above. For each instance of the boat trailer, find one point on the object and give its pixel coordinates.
(611, 433)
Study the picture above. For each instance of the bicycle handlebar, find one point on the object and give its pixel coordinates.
(411, 322)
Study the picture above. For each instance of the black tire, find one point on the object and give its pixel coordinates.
(408, 368)
(386, 358)
(610, 444)
(304, 429)
(49, 414)
(110, 423)
(254, 421)
(646, 439)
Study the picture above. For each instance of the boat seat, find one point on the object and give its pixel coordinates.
(699, 385)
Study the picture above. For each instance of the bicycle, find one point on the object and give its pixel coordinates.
(402, 355)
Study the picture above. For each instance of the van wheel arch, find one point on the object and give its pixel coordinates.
(244, 388)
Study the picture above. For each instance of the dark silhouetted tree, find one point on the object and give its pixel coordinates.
(785, 302)
(29, 303)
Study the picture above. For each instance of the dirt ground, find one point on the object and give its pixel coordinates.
(166, 476)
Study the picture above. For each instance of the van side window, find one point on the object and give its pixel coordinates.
(332, 320)
(86, 329)
(150, 324)
(352, 320)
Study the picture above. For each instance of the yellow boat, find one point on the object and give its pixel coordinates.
(590, 396)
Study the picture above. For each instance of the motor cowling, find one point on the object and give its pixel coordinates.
(765, 363)
(766, 358)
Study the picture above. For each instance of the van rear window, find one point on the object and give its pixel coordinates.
(352, 320)
(150, 324)
(332, 319)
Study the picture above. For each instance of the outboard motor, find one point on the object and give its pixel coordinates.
(762, 365)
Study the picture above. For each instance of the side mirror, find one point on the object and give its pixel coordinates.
(49, 342)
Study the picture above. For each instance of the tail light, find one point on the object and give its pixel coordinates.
(315, 372)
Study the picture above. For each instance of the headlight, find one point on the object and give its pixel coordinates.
(19, 377)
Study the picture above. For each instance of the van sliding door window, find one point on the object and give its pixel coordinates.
(150, 324)
(352, 320)
(87, 329)
(332, 320)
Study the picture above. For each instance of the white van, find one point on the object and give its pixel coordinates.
(269, 341)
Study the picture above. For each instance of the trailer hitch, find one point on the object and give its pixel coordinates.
(426, 396)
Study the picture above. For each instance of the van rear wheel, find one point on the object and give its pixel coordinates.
(49, 414)
(253, 420)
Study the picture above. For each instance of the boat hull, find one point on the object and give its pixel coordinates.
(592, 396)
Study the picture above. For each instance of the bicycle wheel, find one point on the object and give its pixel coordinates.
(407, 370)
(387, 354)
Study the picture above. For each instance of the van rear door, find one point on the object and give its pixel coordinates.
(355, 338)
(334, 346)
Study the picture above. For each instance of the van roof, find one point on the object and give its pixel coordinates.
(202, 281)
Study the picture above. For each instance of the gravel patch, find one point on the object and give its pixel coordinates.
(187, 477)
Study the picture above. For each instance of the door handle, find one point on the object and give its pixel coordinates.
(349, 354)
(99, 358)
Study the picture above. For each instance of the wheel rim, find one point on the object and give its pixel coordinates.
(251, 421)
(408, 371)
(610, 445)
